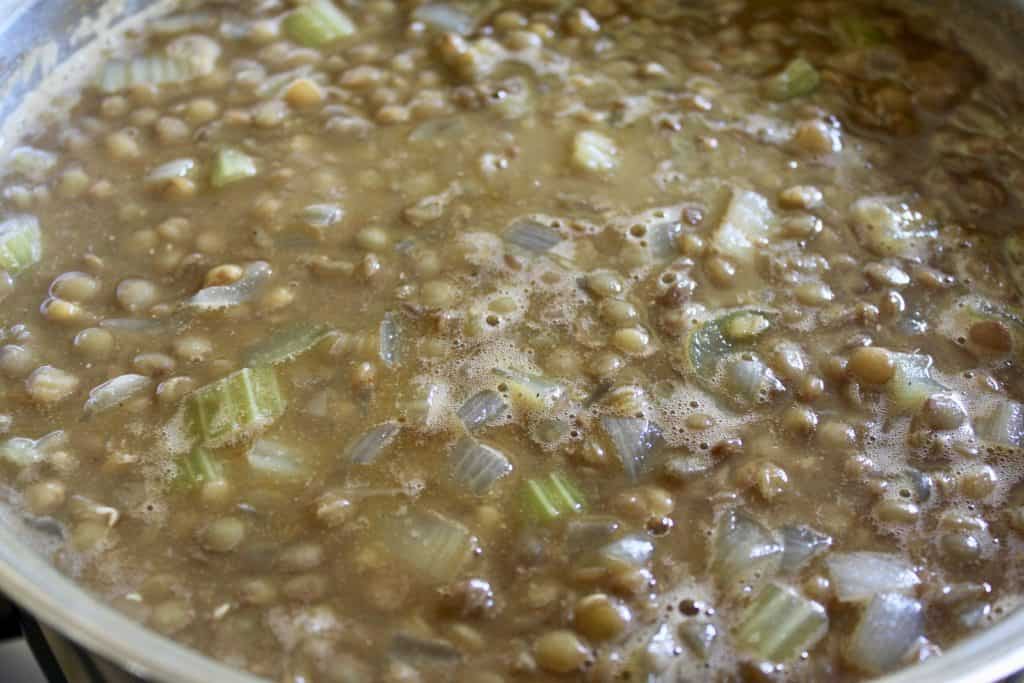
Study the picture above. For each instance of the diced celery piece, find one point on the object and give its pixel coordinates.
(435, 547)
(594, 153)
(287, 344)
(21, 243)
(230, 166)
(425, 404)
(368, 447)
(747, 222)
(549, 498)
(234, 407)
(445, 17)
(318, 23)
(912, 382)
(855, 31)
(798, 79)
(781, 624)
(199, 467)
(531, 392)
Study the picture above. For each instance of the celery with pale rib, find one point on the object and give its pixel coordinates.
(234, 407)
(552, 497)
(199, 467)
(21, 243)
(230, 166)
(317, 23)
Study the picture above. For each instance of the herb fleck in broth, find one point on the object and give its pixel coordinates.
(526, 340)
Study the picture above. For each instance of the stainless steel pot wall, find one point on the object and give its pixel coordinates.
(38, 35)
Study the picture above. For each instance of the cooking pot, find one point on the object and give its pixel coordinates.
(91, 641)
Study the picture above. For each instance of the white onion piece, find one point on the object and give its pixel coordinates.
(115, 392)
(1005, 425)
(890, 626)
(744, 550)
(634, 439)
(481, 408)
(632, 550)
(164, 173)
(801, 544)
(255, 276)
(389, 340)
(23, 452)
(445, 18)
(476, 466)
(369, 446)
(859, 576)
(275, 460)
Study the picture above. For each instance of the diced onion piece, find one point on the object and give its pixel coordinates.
(199, 467)
(318, 23)
(912, 382)
(153, 70)
(287, 344)
(747, 222)
(235, 407)
(744, 551)
(583, 534)
(859, 576)
(634, 440)
(200, 52)
(319, 217)
(748, 380)
(445, 18)
(1004, 425)
(275, 460)
(531, 392)
(890, 626)
(476, 466)
(426, 404)
(594, 153)
(800, 545)
(367, 448)
(426, 654)
(663, 240)
(115, 392)
(798, 79)
(715, 339)
(230, 166)
(256, 275)
(133, 325)
(633, 550)
(165, 173)
(781, 624)
(532, 236)
(389, 337)
(435, 547)
(21, 243)
(481, 408)
(549, 498)
(889, 227)
(31, 162)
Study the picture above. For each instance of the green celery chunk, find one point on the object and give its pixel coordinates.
(318, 23)
(853, 31)
(781, 624)
(798, 79)
(21, 243)
(199, 467)
(230, 166)
(234, 407)
(152, 70)
(549, 498)
(287, 344)
(912, 382)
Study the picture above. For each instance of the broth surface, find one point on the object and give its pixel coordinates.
(539, 340)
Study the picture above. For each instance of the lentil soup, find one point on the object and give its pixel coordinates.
(535, 340)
